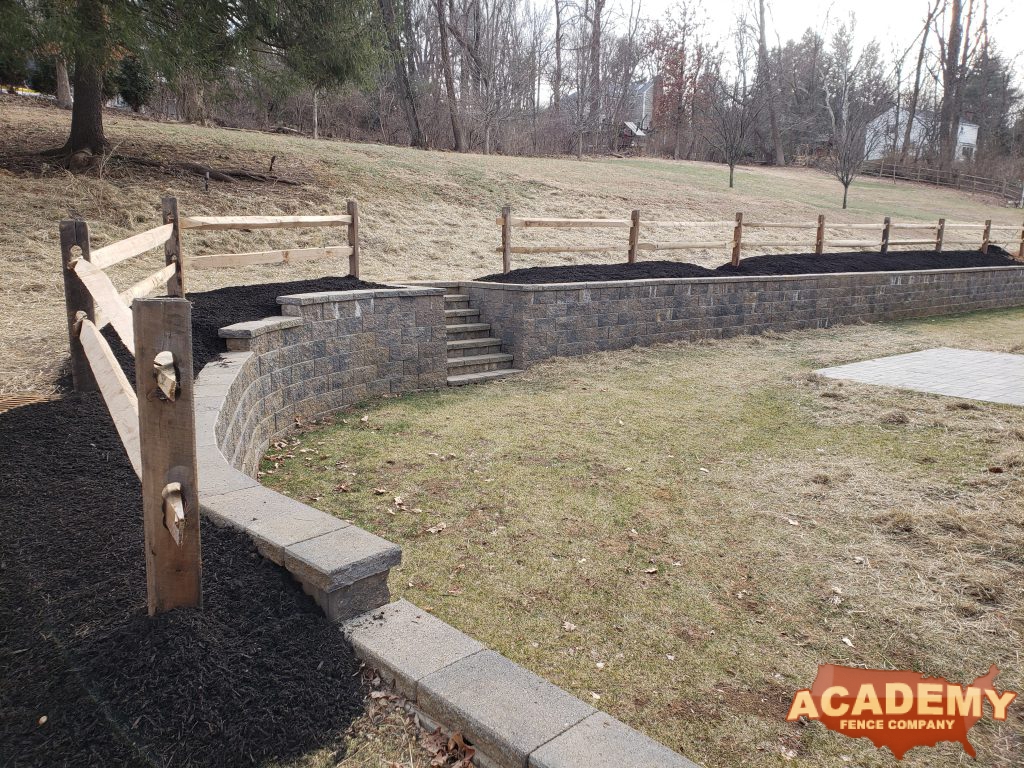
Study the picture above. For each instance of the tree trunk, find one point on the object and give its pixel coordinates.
(594, 116)
(915, 94)
(192, 99)
(846, 194)
(765, 74)
(449, 80)
(556, 75)
(63, 84)
(732, 173)
(405, 88)
(316, 114)
(87, 109)
(950, 86)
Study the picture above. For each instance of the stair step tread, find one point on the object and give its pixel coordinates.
(461, 312)
(456, 297)
(473, 378)
(468, 327)
(496, 357)
(487, 341)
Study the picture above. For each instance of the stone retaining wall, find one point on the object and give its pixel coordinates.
(536, 322)
(328, 351)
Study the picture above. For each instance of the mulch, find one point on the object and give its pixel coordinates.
(258, 675)
(784, 264)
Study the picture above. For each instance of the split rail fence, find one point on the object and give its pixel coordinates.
(155, 416)
(735, 238)
(1010, 191)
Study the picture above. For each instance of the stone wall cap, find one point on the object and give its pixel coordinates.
(405, 643)
(250, 329)
(332, 297)
(340, 558)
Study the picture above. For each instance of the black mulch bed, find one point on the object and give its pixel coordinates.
(258, 675)
(785, 264)
(212, 310)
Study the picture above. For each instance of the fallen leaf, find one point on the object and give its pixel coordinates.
(568, 626)
(600, 665)
(791, 521)
(650, 570)
(365, 419)
(595, 696)
(848, 641)
(996, 470)
(438, 528)
(380, 491)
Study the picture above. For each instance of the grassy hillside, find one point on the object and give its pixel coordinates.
(425, 214)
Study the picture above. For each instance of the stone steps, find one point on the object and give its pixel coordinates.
(465, 347)
(480, 378)
(473, 354)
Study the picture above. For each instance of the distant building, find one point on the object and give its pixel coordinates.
(882, 132)
(640, 109)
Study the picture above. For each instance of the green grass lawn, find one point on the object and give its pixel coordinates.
(680, 534)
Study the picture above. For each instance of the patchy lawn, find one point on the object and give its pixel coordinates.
(679, 535)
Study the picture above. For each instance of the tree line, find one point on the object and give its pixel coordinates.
(530, 77)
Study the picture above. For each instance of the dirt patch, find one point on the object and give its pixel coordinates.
(776, 264)
(256, 676)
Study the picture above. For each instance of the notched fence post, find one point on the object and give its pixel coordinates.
(172, 248)
(74, 244)
(353, 238)
(170, 491)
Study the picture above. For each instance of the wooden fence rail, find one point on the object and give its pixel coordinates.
(1010, 191)
(825, 236)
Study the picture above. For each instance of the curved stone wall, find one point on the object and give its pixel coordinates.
(327, 351)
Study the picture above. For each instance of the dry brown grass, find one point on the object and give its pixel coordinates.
(782, 513)
(426, 215)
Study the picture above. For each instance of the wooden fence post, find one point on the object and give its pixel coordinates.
(886, 228)
(819, 237)
(353, 238)
(172, 248)
(634, 236)
(167, 435)
(1020, 252)
(986, 236)
(506, 239)
(737, 240)
(940, 234)
(76, 299)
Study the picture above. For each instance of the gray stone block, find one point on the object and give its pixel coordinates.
(506, 711)
(275, 521)
(341, 557)
(601, 741)
(405, 644)
(216, 476)
(250, 329)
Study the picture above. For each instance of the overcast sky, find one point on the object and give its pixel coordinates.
(894, 23)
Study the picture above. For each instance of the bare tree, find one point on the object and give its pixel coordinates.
(449, 79)
(766, 82)
(847, 93)
(734, 109)
(915, 92)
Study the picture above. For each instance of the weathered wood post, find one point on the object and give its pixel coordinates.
(819, 237)
(506, 239)
(634, 235)
(940, 234)
(76, 299)
(1020, 252)
(353, 238)
(737, 239)
(986, 236)
(172, 248)
(886, 229)
(167, 436)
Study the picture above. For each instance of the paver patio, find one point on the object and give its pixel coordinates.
(994, 377)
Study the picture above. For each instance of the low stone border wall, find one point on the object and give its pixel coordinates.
(536, 322)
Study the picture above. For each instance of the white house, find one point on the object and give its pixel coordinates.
(882, 132)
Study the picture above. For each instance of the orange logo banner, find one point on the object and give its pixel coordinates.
(898, 710)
